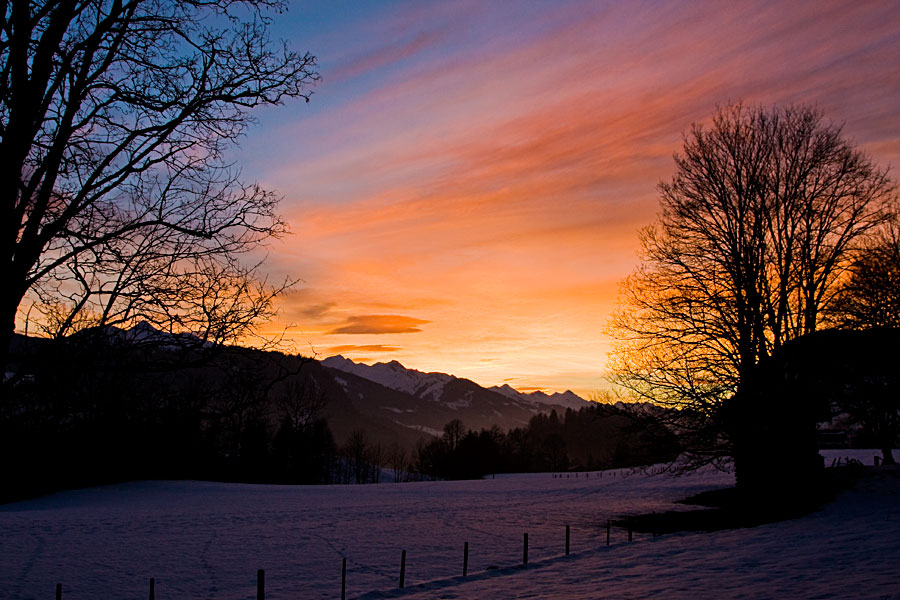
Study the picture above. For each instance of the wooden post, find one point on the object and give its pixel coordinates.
(525, 549)
(567, 540)
(260, 585)
(403, 569)
(466, 559)
(608, 525)
(344, 579)
(152, 589)
(58, 591)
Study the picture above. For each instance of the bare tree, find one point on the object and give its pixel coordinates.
(765, 211)
(374, 458)
(302, 400)
(398, 459)
(356, 451)
(454, 432)
(118, 202)
(870, 295)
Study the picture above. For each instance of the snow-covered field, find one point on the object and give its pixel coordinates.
(207, 540)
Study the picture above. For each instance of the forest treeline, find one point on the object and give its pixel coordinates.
(599, 436)
(86, 412)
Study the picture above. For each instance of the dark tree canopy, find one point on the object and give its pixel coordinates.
(118, 202)
(764, 213)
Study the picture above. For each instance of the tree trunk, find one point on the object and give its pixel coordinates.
(6, 334)
(888, 455)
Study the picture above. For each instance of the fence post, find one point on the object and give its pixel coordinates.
(260, 584)
(567, 540)
(403, 568)
(525, 549)
(608, 525)
(152, 589)
(58, 591)
(466, 559)
(344, 579)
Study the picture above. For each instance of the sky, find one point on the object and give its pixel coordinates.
(465, 187)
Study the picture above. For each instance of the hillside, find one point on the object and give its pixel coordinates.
(111, 404)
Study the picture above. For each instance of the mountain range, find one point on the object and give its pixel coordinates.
(432, 386)
(420, 402)
(387, 400)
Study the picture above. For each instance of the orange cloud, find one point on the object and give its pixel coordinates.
(491, 168)
(379, 324)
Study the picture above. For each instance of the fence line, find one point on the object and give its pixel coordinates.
(261, 573)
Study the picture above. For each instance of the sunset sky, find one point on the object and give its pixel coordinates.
(466, 184)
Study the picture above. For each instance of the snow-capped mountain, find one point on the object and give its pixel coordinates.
(393, 375)
(426, 401)
(141, 334)
(567, 399)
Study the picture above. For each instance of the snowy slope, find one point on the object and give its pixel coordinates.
(433, 386)
(567, 399)
(206, 540)
(395, 376)
(143, 334)
(460, 399)
(847, 550)
(425, 402)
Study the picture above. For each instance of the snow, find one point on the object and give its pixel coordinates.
(206, 540)
(567, 399)
(394, 376)
(423, 428)
(430, 386)
(145, 333)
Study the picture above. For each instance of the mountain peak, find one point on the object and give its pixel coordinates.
(395, 376)
(567, 399)
(430, 386)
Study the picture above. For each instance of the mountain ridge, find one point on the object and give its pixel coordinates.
(431, 385)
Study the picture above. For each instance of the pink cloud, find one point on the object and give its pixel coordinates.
(493, 185)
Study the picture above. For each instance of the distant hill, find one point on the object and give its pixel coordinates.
(110, 404)
(434, 385)
(567, 399)
(427, 401)
(387, 400)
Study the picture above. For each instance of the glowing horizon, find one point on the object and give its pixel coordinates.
(466, 185)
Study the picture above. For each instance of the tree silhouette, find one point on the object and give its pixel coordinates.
(759, 221)
(454, 431)
(870, 296)
(118, 202)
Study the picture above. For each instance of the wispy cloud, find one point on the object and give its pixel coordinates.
(385, 56)
(316, 311)
(486, 168)
(379, 324)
